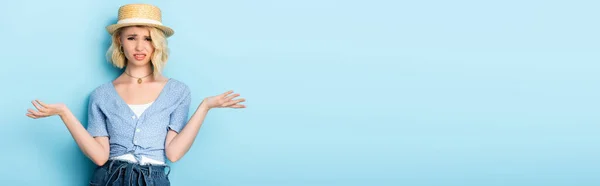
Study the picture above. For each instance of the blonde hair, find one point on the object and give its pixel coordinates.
(159, 56)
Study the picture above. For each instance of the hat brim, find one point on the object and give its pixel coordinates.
(114, 27)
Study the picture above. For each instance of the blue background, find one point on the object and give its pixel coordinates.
(423, 93)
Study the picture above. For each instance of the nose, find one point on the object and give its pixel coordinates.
(139, 46)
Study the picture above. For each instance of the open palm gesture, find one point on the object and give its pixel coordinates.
(45, 110)
(224, 100)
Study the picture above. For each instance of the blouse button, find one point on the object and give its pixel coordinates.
(132, 117)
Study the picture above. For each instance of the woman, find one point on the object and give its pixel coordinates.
(138, 119)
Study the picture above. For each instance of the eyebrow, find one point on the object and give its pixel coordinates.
(135, 35)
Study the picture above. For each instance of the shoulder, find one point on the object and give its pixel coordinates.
(178, 86)
(101, 91)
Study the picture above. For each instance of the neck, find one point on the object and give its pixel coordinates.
(144, 72)
(138, 71)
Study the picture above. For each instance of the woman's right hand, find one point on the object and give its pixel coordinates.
(45, 110)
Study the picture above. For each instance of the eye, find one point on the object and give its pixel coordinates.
(130, 38)
(148, 39)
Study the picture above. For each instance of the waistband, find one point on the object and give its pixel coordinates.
(154, 171)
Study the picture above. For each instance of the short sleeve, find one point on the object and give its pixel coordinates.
(96, 119)
(179, 116)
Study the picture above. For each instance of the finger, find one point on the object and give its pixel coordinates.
(35, 113)
(228, 98)
(227, 93)
(229, 103)
(31, 116)
(233, 102)
(238, 106)
(37, 106)
(44, 105)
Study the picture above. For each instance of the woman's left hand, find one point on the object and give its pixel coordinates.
(46, 110)
(224, 100)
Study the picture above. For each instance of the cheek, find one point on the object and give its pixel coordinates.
(149, 47)
(127, 47)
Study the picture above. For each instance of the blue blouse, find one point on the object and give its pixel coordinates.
(109, 115)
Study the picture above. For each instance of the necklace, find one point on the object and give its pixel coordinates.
(139, 78)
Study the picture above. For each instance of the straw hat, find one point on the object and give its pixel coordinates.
(140, 15)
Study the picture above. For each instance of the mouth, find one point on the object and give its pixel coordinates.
(139, 57)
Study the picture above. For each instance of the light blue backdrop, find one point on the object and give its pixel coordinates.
(421, 93)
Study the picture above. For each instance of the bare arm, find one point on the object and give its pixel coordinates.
(176, 145)
(97, 149)
(179, 144)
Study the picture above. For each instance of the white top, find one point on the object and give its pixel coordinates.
(138, 110)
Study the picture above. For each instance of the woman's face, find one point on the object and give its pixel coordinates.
(137, 45)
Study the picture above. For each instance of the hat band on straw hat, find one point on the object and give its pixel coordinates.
(139, 20)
